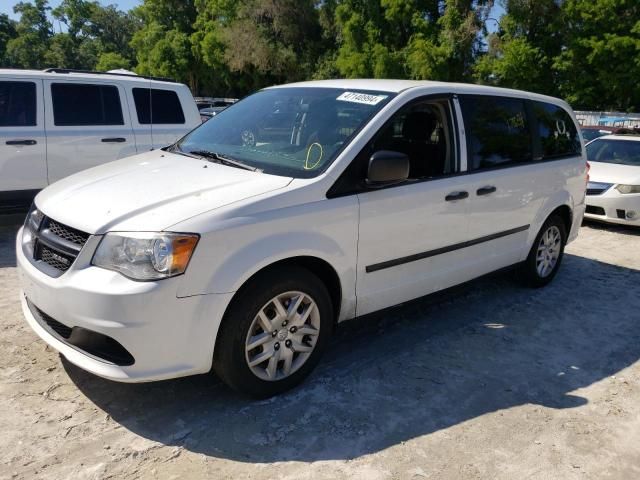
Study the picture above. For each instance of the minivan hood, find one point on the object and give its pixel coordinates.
(149, 192)
(614, 173)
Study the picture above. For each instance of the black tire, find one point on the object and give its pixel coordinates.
(528, 271)
(230, 361)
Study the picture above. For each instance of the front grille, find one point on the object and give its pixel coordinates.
(55, 246)
(621, 213)
(597, 188)
(51, 257)
(67, 233)
(595, 210)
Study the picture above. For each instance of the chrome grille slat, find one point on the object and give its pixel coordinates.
(67, 233)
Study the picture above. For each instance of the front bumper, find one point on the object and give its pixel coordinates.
(167, 336)
(612, 207)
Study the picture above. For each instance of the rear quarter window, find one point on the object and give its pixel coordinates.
(556, 132)
(17, 104)
(497, 131)
(157, 106)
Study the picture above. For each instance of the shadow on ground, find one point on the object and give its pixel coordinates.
(612, 227)
(8, 243)
(407, 372)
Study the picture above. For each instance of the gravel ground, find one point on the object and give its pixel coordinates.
(489, 381)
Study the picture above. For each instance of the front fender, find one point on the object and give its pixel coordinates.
(226, 258)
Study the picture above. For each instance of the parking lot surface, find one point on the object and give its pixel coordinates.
(492, 380)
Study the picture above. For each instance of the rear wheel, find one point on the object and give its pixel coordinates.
(546, 254)
(274, 332)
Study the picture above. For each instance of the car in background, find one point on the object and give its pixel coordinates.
(592, 132)
(210, 112)
(209, 102)
(613, 192)
(57, 122)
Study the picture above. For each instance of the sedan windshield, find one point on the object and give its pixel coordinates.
(294, 131)
(623, 152)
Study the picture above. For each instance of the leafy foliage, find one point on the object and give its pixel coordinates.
(587, 51)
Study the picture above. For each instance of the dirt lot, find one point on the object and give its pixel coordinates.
(492, 381)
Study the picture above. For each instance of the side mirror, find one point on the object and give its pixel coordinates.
(387, 168)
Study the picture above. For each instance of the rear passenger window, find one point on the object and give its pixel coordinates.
(157, 106)
(17, 104)
(76, 104)
(557, 132)
(497, 131)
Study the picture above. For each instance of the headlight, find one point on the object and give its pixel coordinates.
(628, 188)
(34, 218)
(31, 227)
(145, 256)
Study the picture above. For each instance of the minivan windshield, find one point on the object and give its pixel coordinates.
(623, 152)
(289, 131)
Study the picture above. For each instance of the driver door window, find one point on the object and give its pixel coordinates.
(423, 133)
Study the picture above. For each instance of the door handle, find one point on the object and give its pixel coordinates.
(21, 142)
(486, 190)
(456, 196)
(114, 140)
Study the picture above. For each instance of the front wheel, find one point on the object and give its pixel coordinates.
(546, 254)
(274, 332)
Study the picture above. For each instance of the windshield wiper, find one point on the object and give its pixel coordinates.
(224, 160)
(175, 149)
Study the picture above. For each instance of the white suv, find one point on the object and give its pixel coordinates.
(242, 245)
(57, 122)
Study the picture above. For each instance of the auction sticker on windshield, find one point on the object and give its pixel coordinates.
(361, 98)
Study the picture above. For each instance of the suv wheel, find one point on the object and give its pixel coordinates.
(546, 254)
(274, 332)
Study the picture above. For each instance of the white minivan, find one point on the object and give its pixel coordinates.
(241, 246)
(57, 122)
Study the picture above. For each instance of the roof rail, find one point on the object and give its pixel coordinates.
(72, 70)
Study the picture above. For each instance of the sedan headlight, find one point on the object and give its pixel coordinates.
(628, 188)
(145, 256)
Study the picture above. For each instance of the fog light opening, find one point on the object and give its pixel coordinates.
(631, 214)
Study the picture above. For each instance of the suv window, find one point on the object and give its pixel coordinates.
(497, 131)
(76, 104)
(17, 104)
(164, 105)
(557, 132)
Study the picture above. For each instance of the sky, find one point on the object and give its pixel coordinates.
(496, 12)
(6, 6)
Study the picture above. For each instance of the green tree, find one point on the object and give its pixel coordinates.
(282, 36)
(33, 33)
(599, 66)
(112, 61)
(91, 32)
(522, 53)
(163, 44)
(209, 47)
(422, 39)
(7, 32)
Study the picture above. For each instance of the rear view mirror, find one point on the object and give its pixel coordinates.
(387, 168)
